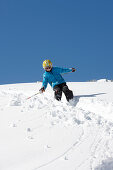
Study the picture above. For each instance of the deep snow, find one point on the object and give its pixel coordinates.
(42, 133)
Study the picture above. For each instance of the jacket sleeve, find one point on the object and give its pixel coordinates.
(45, 81)
(64, 70)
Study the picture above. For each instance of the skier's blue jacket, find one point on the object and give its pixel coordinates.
(54, 77)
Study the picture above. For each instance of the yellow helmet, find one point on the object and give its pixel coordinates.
(47, 63)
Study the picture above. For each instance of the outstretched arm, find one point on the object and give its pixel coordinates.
(65, 70)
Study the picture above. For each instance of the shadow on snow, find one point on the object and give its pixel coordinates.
(90, 95)
(105, 165)
(76, 98)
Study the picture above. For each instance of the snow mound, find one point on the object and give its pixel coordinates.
(16, 100)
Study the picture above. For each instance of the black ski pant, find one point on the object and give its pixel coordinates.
(62, 88)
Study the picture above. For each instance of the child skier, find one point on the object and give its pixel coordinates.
(53, 76)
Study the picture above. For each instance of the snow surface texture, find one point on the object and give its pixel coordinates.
(42, 133)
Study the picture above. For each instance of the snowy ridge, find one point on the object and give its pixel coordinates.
(42, 133)
(104, 80)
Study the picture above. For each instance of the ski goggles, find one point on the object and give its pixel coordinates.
(48, 68)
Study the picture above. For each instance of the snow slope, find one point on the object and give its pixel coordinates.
(42, 133)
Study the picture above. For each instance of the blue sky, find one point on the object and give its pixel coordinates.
(71, 33)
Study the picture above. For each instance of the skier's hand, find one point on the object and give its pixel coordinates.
(73, 69)
(42, 90)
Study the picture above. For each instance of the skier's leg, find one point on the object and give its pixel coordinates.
(68, 93)
(58, 93)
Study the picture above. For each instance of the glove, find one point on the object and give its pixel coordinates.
(73, 69)
(42, 90)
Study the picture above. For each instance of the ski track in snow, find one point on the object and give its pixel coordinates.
(83, 113)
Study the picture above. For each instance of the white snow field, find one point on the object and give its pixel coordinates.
(44, 134)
